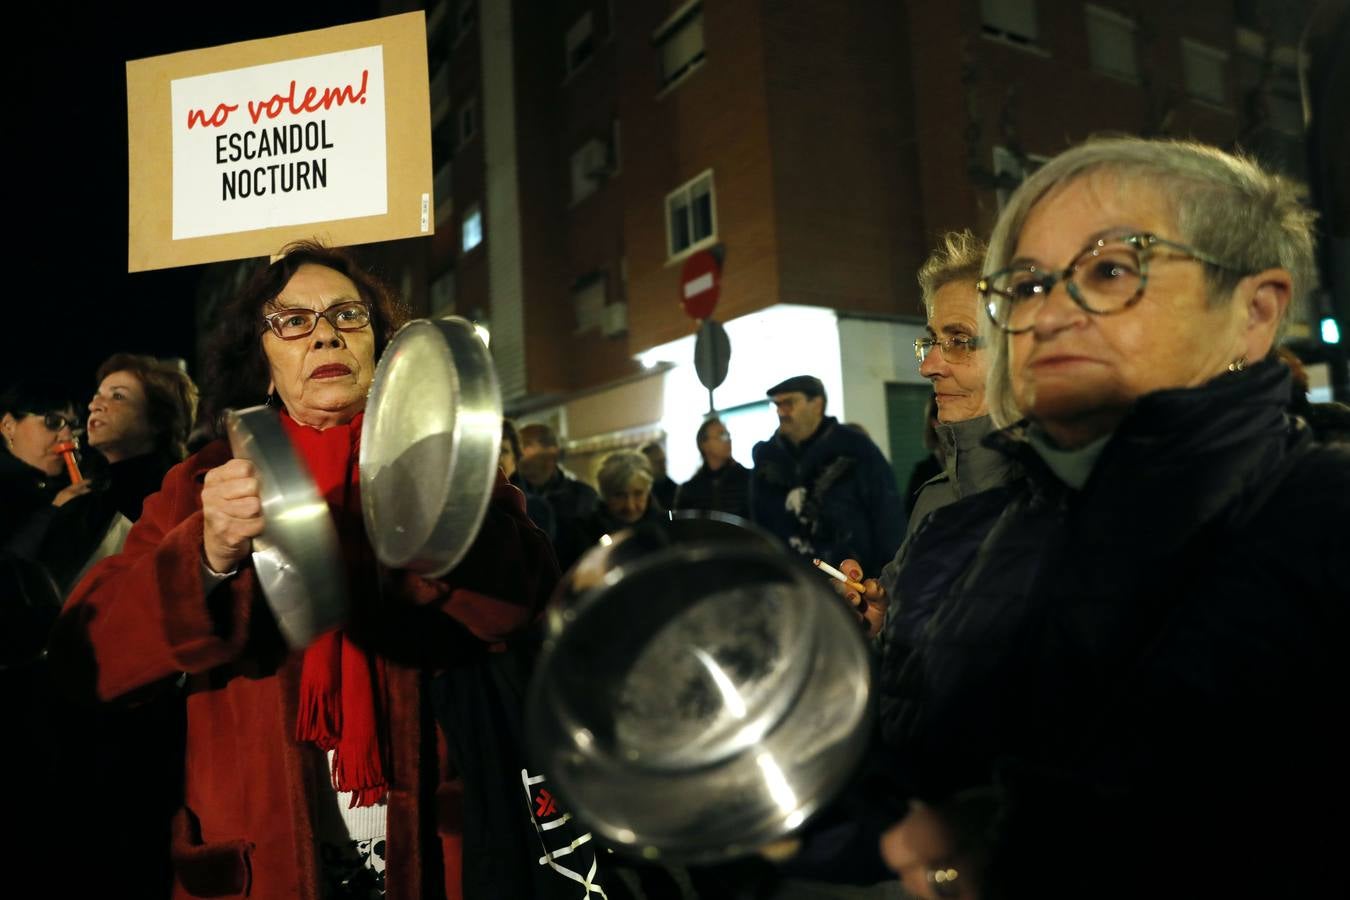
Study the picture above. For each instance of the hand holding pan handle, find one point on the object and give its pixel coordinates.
(297, 558)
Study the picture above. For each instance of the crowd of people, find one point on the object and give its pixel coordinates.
(1107, 617)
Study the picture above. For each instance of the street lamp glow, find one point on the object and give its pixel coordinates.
(1331, 332)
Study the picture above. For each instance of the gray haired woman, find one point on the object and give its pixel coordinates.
(1118, 680)
(625, 479)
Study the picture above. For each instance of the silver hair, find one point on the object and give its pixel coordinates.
(1224, 205)
(620, 469)
(959, 258)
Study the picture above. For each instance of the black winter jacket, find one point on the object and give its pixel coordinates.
(834, 497)
(725, 490)
(1151, 672)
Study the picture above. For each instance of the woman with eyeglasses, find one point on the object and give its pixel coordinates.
(1131, 686)
(37, 418)
(138, 425)
(316, 773)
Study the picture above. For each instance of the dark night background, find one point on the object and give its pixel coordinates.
(73, 303)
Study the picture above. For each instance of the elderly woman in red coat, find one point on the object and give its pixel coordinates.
(305, 772)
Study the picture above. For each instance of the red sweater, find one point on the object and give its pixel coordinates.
(139, 618)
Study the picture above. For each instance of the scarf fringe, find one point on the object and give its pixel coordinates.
(319, 718)
(363, 775)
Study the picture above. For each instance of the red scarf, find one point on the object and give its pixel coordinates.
(341, 685)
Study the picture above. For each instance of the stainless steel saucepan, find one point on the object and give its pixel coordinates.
(429, 445)
(700, 693)
(428, 463)
(296, 558)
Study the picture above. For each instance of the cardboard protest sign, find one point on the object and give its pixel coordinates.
(236, 150)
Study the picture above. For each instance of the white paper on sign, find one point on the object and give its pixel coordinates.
(286, 143)
(698, 285)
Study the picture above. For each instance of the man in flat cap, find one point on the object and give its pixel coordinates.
(825, 489)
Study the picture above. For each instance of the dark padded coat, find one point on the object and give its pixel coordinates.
(1151, 671)
(850, 505)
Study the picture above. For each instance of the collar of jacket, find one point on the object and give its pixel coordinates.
(968, 464)
(130, 481)
(1178, 458)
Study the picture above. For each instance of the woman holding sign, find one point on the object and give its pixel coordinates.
(306, 773)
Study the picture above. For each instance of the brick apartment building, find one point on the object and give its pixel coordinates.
(585, 148)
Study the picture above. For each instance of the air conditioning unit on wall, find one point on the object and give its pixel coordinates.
(615, 320)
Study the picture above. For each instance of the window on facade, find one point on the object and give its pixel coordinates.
(588, 299)
(1203, 69)
(1013, 20)
(680, 43)
(580, 43)
(467, 119)
(691, 214)
(590, 167)
(471, 228)
(1111, 43)
(1012, 170)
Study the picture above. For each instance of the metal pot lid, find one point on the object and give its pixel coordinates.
(296, 557)
(699, 695)
(429, 445)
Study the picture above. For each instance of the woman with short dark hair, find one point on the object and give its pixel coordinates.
(138, 424)
(35, 418)
(314, 773)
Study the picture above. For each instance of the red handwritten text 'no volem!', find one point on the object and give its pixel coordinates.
(312, 101)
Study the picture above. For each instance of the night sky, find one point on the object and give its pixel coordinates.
(73, 302)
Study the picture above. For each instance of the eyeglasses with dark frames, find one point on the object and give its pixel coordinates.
(1107, 277)
(293, 324)
(954, 349)
(54, 421)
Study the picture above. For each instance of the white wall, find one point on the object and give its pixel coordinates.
(766, 347)
(873, 352)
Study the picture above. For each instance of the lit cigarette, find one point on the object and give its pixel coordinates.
(838, 576)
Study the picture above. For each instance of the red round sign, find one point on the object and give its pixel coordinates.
(700, 284)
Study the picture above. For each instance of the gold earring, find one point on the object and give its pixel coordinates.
(1238, 364)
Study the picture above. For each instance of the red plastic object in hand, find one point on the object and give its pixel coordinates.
(67, 450)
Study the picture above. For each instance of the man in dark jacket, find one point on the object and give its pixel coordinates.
(824, 489)
(572, 501)
(663, 486)
(721, 484)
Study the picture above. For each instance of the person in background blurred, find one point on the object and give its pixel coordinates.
(536, 507)
(1330, 422)
(573, 502)
(823, 489)
(663, 487)
(625, 479)
(37, 416)
(138, 422)
(721, 484)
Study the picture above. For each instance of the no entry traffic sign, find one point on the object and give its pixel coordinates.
(700, 284)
